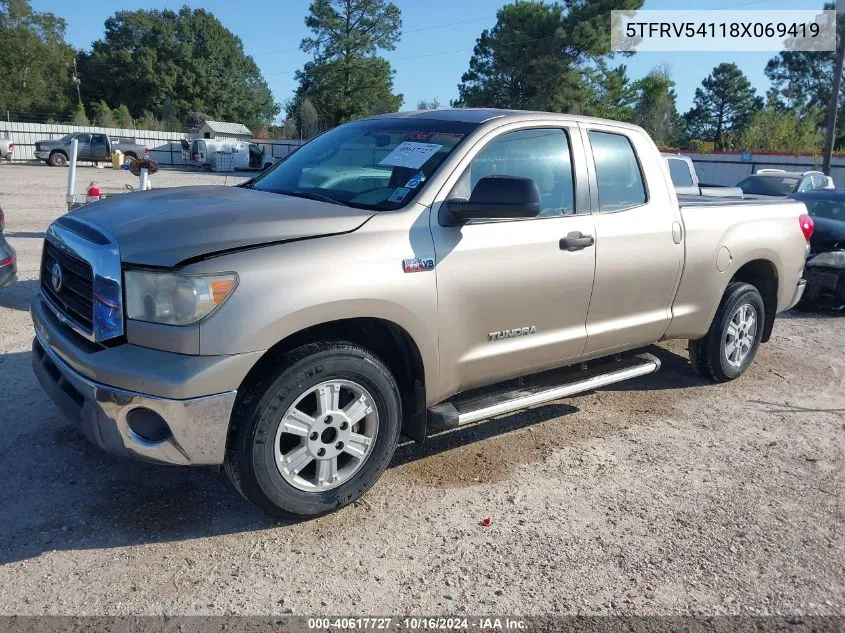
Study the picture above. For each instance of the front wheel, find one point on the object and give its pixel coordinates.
(730, 345)
(57, 159)
(316, 434)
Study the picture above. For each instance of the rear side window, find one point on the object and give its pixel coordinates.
(620, 181)
(679, 170)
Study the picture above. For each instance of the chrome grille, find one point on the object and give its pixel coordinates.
(75, 295)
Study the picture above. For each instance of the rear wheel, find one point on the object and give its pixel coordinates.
(730, 345)
(316, 434)
(57, 159)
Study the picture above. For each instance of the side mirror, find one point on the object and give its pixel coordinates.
(500, 197)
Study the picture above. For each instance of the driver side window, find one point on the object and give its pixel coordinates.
(540, 154)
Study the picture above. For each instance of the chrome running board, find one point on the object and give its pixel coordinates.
(546, 387)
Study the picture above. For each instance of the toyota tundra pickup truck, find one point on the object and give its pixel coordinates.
(398, 275)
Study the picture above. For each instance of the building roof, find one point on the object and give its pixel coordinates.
(224, 127)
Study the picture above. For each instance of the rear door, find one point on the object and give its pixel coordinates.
(639, 242)
(511, 300)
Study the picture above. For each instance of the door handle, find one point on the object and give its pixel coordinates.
(575, 241)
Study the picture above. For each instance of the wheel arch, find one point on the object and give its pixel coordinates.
(389, 341)
(763, 275)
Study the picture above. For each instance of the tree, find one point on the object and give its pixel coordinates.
(102, 114)
(122, 117)
(539, 56)
(309, 120)
(773, 130)
(422, 104)
(34, 60)
(289, 129)
(346, 79)
(722, 106)
(656, 109)
(802, 81)
(78, 116)
(195, 120)
(149, 56)
(614, 94)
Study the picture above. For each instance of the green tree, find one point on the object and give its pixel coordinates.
(102, 114)
(615, 95)
(722, 106)
(773, 130)
(79, 117)
(538, 56)
(422, 104)
(34, 59)
(655, 108)
(346, 79)
(122, 117)
(802, 82)
(148, 57)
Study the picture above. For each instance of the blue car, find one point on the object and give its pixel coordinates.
(825, 269)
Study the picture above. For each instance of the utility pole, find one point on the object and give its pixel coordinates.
(833, 106)
(76, 81)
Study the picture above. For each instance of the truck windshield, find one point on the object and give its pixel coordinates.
(378, 164)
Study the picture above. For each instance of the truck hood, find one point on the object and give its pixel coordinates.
(168, 226)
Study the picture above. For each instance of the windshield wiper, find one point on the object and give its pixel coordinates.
(312, 196)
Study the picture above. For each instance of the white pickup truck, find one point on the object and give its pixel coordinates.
(685, 179)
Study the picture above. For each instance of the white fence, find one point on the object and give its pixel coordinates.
(728, 168)
(164, 147)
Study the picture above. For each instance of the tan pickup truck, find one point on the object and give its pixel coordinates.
(393, 276)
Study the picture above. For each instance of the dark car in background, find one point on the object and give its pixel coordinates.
(8, 258)
(779, 183)
(825, 269)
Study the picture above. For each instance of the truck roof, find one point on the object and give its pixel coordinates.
(482, 115)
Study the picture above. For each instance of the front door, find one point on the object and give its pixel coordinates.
(83, 147)
(512, 299)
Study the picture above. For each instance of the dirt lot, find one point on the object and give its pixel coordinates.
(663, 495)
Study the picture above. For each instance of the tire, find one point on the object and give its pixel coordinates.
(57, 159)
(712, 356)
(262, 457)
(130, 155)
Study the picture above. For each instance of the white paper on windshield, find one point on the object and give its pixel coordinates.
(411, 155)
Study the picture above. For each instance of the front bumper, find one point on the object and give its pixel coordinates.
(98, 388)
(42, 154)
(196, 427)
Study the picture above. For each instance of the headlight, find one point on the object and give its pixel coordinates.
(175, 299)
(830, 259)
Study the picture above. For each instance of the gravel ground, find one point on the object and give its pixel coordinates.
(661, 495)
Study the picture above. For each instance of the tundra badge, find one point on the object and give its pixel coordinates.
(519, 331)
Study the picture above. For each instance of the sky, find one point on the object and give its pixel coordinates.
(433, 52)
